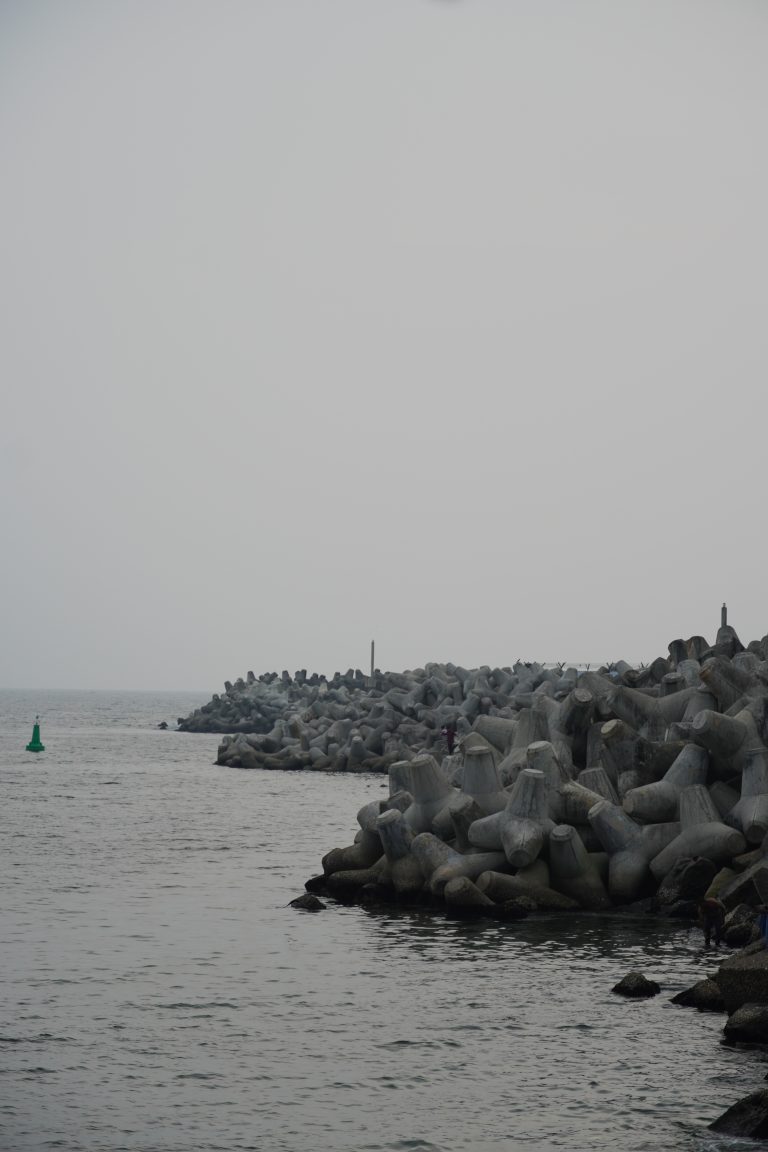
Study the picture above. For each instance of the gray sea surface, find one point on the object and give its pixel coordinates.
(159, 995)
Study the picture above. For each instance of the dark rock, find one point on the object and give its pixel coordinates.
(748, 1117)
(740, 926)
(748, 1025)
(682, 910)
(376, 894)
(743, 979)
(516, 909)
(316, 884)
(705, 996)
(636, 985)
(308, 903)
(163, 725)
(739, 935)
(688, 879)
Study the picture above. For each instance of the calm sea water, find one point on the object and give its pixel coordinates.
(158, 995)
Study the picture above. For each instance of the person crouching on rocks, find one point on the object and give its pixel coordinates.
(712, 917)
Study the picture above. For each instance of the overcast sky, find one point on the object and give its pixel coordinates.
(435, 322)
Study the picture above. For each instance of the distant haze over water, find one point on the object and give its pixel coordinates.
(439, 324)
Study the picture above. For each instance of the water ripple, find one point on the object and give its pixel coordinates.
(145, 931)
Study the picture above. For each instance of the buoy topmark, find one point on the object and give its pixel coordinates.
(35, 744)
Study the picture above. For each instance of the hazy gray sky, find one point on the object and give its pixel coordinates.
(439, 323)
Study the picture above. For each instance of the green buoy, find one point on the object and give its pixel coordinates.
(35, 744)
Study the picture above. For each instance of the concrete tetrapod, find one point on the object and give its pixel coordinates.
(725, 798)
(439, 863)
(463, 811)
(476, 740)
(572, 871)
(542, 757)
(362, 854)
(463, 898)
(657, 803)
(656, 837)
(352, 880)
(396, 838)
(627, 856)
(501, 887)
(714, 840)
(431, 792)
(486, 833)
(722, 736)
(497, 731)
(624, 754)
(750, 813)
(576, 712)
(697, 807)
(399, 776)
(726, 683)
(598, 780)
(369, 813)
(531, 726)
(481, 781)
(576, 802)
(525, 821)
(640, 712)
(550, 711)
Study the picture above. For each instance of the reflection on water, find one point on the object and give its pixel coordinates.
(158, 994)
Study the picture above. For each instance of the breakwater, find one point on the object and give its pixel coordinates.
(566, 788)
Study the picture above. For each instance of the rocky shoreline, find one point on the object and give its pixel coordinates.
(640, 790)
(565, 788)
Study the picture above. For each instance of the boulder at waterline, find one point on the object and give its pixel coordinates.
(636, 986)
(743, 978)
(748, 1025)
(705, 996)
(748, 1117)
(308, 903)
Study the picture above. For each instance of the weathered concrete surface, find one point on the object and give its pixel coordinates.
(743, 979)
(611, 779)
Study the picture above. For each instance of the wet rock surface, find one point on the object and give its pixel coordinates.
(636, 986)
(747, 1118)
(308, 903)
(705, 996)
(743, 978)
(748, 1025)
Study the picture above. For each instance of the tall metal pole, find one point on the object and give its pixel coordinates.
(372, 647)
(723, 616)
